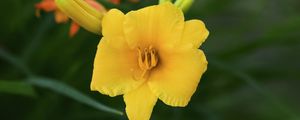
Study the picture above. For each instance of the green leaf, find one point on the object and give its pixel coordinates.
(15, 62)
(55, 86)
(70, 92)
(17, 87)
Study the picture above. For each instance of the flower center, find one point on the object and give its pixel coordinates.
(147, 59)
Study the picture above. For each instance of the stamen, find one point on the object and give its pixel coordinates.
(148, 59)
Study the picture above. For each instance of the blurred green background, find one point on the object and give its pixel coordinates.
(253, 73)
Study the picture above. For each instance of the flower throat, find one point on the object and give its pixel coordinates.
(147, 59)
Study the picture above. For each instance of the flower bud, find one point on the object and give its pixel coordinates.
(82, 13)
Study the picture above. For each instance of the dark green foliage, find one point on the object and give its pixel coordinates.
(253, 54)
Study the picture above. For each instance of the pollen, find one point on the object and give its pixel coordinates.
(147, 59)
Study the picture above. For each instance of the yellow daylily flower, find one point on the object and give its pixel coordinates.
(149, 54)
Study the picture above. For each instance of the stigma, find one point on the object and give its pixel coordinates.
(147, 59)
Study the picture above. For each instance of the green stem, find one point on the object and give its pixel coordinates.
(185, 5)
(162, 1)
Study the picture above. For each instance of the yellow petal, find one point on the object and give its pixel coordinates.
(195, 33)
(159, 25)
(115, 69)
(176, 78)
(139, 103)
(113, 24)
(82, 13)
